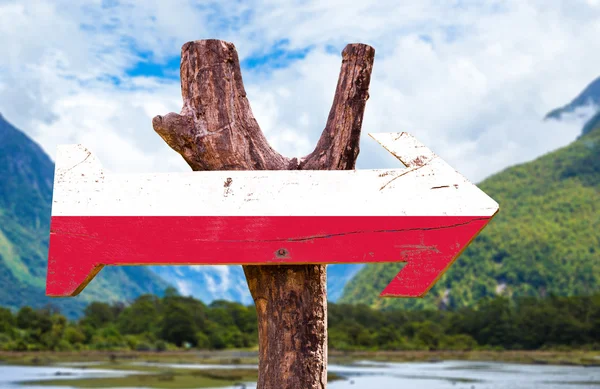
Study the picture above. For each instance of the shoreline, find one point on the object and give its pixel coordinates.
(206, 369)
(245, 357)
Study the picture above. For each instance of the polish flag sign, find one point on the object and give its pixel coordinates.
(425, 215)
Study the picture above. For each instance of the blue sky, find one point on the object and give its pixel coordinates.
(472, 80)
(275, 57)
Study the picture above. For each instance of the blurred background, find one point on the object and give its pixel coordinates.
(507, 92)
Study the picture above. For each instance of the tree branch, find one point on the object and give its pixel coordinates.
(216, 130)
(338, 146)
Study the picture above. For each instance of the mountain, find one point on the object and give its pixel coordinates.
(589, 96)
(545, 239)
(592, 123)
(338, 277)
(26, 179)
(209, 283)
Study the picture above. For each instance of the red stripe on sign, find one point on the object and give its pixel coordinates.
(81, 245)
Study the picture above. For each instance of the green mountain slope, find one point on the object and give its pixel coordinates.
(545, 239)
(591, 124)
(26, 179)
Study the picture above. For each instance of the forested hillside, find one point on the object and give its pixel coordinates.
(26, 179)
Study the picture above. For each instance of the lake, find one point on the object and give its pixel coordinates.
(370, 375)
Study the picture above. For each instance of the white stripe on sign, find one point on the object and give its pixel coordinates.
(427, 187)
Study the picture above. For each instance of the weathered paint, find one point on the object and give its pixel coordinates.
(424, 215)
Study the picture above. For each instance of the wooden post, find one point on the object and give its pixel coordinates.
(216, 130)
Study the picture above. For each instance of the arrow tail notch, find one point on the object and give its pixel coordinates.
(77, 172)
(69, 278)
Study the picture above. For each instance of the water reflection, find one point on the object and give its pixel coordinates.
(369, 375)
(12, 376)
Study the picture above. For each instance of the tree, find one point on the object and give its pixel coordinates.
(7, 321)
(178, 325)
(171, 292)
(26, 318)
(98, 314)
(140, 317)
(291, 300)
(53, 338)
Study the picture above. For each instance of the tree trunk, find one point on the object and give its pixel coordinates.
(217, 131)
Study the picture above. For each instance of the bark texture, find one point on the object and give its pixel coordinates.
(216, 130)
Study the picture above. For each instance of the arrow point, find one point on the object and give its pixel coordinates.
(425, 268)
(407, 287)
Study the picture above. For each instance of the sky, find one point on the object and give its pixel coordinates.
(471, 80)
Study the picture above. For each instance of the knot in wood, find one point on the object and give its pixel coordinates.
(281, 253)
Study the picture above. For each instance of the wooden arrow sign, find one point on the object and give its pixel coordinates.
(424, 215)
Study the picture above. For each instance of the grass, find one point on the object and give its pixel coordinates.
(575, 357)
(119, 360)
(46, 358)
(161, 377)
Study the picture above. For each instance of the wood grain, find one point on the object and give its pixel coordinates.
(216, 130)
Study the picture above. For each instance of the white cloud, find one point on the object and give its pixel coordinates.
(184, 287)
(470, 81)
(217, 278)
